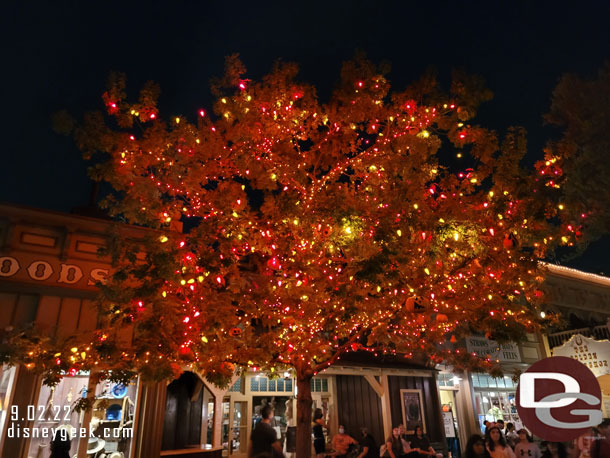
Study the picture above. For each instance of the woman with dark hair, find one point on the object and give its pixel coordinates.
(555, 450)
(526, 445)
(475, 447)
(420, 444)
(496, 444)
(394, 447)
(319, 444)
(60, 446)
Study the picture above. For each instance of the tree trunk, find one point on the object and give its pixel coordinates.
(304, 403)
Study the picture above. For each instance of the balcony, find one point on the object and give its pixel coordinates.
(557, 339)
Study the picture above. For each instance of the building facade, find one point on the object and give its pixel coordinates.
(49, 265)
(579, 297)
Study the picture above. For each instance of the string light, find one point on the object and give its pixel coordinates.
(317, 230)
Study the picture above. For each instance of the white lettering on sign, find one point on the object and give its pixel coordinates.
(8, 266)
(100, 275)
(483, 347)
(39, 270)
(70, 274)
(594, 354)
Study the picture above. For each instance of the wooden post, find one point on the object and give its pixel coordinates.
(86, 416)
(465, 396)
(25, 392)
(386, 411)
(150, 417)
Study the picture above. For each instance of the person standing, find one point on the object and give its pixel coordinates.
(475, 447)
(60, 446)
(555, 450)
(526, 446)
(512, 436)
(496, 444)
(601, 446)
(319, 443)
(264, 438)
(368, 446)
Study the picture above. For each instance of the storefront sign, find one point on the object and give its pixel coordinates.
(505, 353)
(594, 354)
(448, 424)
(51, 271)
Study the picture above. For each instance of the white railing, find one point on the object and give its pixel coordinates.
(597, 332)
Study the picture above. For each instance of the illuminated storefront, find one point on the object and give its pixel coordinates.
(48, 269)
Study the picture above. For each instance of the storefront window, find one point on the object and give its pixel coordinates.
(111, 423)
(7, 376)
(495, 399)
(239, 442)
(113, 416)
(55, 409)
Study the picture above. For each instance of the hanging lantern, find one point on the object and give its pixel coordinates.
(235, 332)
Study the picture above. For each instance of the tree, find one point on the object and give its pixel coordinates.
(580, 107)
(377, 221)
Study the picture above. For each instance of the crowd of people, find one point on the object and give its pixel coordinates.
(498, 441)
(398, 445)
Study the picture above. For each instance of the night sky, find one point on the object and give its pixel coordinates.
(58, 54)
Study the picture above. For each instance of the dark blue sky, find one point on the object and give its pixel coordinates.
(57, 55)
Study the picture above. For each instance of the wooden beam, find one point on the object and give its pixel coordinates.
(386, 412)
(361, 371)
(374, 384)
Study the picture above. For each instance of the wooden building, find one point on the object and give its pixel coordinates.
(579, 297)
(48, 269)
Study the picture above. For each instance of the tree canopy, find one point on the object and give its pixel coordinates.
(382, 221)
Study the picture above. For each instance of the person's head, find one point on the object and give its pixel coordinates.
(267, 412)
(524, 436)
(495, 437)
(317, 414)
(604, 428)
(500, 424)
(510, 426)
(485, 422)
(396, 431)
(402, 429)
(419, 431)
(475, 446)
(557, 449)
(341, 429)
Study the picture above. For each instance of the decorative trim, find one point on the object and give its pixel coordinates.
(576, 274)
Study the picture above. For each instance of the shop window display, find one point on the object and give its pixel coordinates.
(111, 419)
(495, 399)
(7, 376)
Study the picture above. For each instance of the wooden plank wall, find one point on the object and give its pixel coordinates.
(184, 408)
(432, 407)
(64, 316)
(358, 405)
